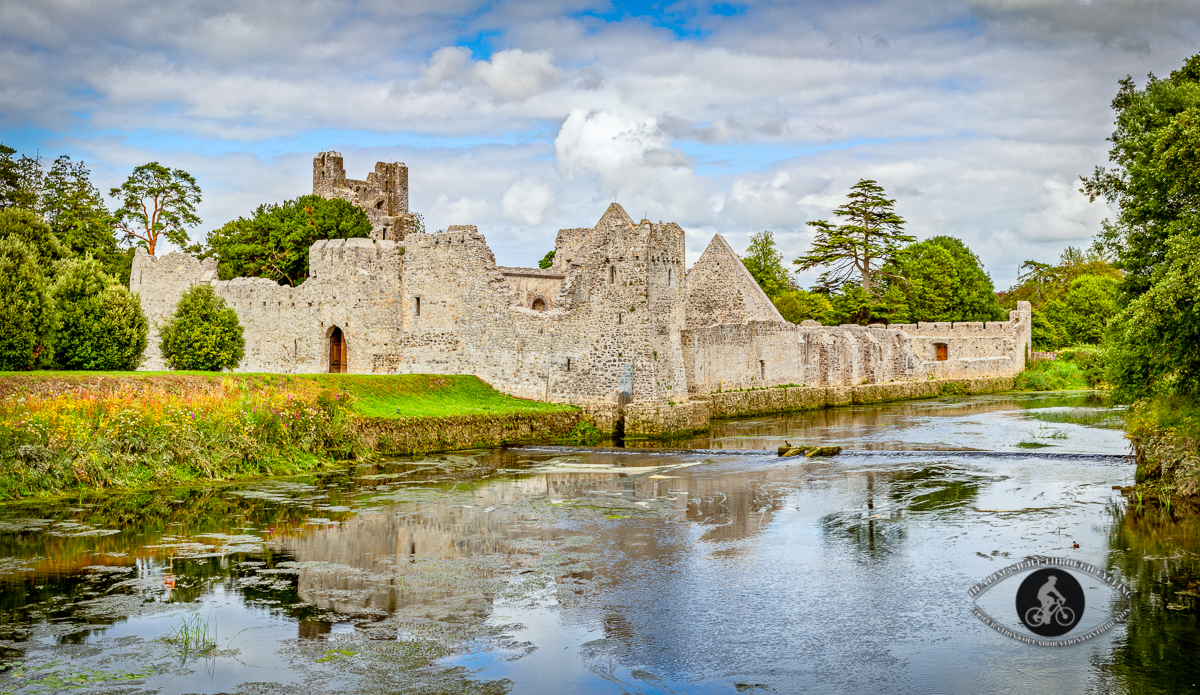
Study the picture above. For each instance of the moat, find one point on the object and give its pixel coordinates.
(710, 567)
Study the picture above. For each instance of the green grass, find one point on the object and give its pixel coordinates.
(1090, 417)
(1051, 375)
(374, 395)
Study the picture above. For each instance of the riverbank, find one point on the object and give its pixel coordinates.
(68, 432)
(1165, 435)
(73, 432)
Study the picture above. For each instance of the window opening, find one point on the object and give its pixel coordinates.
(762, 370)
(612, 274)
(418, 306)
(943, 352)
(670, 277)
(568, 364)
(538, 305)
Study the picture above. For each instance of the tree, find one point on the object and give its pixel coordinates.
(1046, 335)
(943, 280)
(20, 180)
(156, 201)
(37, 236)
(1154, 178)
(76, 213)
(871, 236)
(26, 310)
(547, 261)
(1154, 343)
(273, 242)
(802, 305)
(1089, 306)
(765, 264)
(101, 325)
(203, 334)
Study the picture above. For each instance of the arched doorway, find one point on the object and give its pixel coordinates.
(538, 305)
(337, 352)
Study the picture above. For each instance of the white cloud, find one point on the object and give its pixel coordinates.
(526, 201)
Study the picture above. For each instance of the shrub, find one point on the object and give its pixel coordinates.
(1051, 375)
(40, 240)
(1092, 361)
(26, 310)
(100, 324)
(802, 305)
(203, 334)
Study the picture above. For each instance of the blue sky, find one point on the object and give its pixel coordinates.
(523, 117)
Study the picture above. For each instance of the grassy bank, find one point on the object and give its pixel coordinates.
(1165, 433)
(64, 432)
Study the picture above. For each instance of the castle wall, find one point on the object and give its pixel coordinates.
(760, 354)
(531, 284)
(383, 195)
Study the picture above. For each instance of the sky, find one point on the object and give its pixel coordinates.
(977, 116)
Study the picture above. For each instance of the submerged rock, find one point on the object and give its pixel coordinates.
(809, 451)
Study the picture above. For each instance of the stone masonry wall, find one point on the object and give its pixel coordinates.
(383, 195)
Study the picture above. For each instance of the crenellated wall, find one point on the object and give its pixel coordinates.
(621, 320)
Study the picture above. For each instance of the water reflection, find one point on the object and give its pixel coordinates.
(552, 570)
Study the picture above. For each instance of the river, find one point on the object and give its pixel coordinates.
(712, 566)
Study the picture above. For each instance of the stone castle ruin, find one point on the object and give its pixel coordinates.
(618, 320)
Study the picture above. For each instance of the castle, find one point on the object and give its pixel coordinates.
(618, 319)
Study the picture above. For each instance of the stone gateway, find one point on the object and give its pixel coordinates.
(617, 319)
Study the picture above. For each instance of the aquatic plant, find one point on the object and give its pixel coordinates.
(1091, 417)
(196, 635)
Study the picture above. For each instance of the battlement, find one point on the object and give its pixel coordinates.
(383, 195)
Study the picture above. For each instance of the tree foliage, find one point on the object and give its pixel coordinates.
(765, 264)
(940, 279)
(273, 242)
(27, 226)
(547, 261)
(1155, 341)
(156, 201)
(872, 235)
(20, 180)
(26, 309)
(203, 334)
(802, 305)
(101, 325)
(1154, 177)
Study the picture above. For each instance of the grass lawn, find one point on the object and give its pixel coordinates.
(376, 395)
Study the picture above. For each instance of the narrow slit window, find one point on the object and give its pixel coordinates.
(568, 364)
(418, 306)
(670, 277)
(612, 274)
(762, 370)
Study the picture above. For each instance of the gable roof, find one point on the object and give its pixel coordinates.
(721, 290)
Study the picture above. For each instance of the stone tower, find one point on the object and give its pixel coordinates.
(383, 195)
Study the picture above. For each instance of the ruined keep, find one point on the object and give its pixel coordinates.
(617, 321)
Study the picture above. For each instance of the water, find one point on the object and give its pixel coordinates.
(710, 567)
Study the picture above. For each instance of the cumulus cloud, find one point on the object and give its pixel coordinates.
(526, 201)
(606, 144)
(510, 75)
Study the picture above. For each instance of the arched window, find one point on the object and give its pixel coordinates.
(670, 277)
(612, 274)
(538, 305)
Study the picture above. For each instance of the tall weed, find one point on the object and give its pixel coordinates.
(1051, 375)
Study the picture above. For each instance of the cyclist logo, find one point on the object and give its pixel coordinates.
(1050, 602)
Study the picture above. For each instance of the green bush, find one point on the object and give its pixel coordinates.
(802, 305)
(26, 309)
(203, 334)
(38, 238)
(1092, 360)
(1051, 375)
(100, 324)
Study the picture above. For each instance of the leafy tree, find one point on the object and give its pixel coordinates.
(203, 334)
(547, 261)
(1154, 178)
(1089, 306)
(941, 279)
(1045, 334)
(801, 305)
(20, 180)
(36, 234)
(76, 213)
(765, 264)
(26, 310)
(156, 201)
(101, 325)
(273, 242)
(1154, 343)
(871, 236)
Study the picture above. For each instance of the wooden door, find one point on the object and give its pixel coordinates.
(943, 352)
(337, 352)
